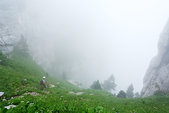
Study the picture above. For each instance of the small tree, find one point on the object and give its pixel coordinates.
(159, 93)
(121, 94)
(109, 84)
(129, 92)
(96, 85)
(64, 76)
(3, 59)
(22, 47)
(137, 95)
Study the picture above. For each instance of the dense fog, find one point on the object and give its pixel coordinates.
(90, 40)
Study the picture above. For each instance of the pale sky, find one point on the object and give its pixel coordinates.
(138, 27)
(110, 36)
(139, 24)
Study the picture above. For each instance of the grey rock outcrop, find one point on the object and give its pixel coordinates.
(10, 31)
(157, 75)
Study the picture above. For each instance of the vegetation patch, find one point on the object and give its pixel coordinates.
(20, 82)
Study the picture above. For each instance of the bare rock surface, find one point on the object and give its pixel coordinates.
(10, 106)
(157, 75)
(32, 93)
(78, 93)
(1, 94)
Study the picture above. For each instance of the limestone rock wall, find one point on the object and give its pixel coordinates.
(10, 20)
(157, 75)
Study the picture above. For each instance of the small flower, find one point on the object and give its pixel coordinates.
(1, 94)
(21, 96)
(4, 99)
(31, 104)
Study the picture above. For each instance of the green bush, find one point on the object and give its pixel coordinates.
(121, 94)
(159, 93)
(3, 59)
(96, 85)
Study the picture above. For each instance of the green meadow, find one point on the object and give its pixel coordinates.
(20, 81)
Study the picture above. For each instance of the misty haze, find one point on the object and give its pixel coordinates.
(92, 56)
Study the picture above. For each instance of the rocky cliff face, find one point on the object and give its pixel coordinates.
(157, 76)
(10, 14)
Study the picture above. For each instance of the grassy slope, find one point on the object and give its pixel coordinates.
(58, 99)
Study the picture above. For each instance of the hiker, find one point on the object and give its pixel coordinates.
(43, 82)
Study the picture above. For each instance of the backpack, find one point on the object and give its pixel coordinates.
(42, 82)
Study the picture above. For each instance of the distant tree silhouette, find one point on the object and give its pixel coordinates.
(121, 94)
(22, 47)
(109, 84)
(159, 93)
(137, 95)
(64, 76)
(129, 92)
(96, 85)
